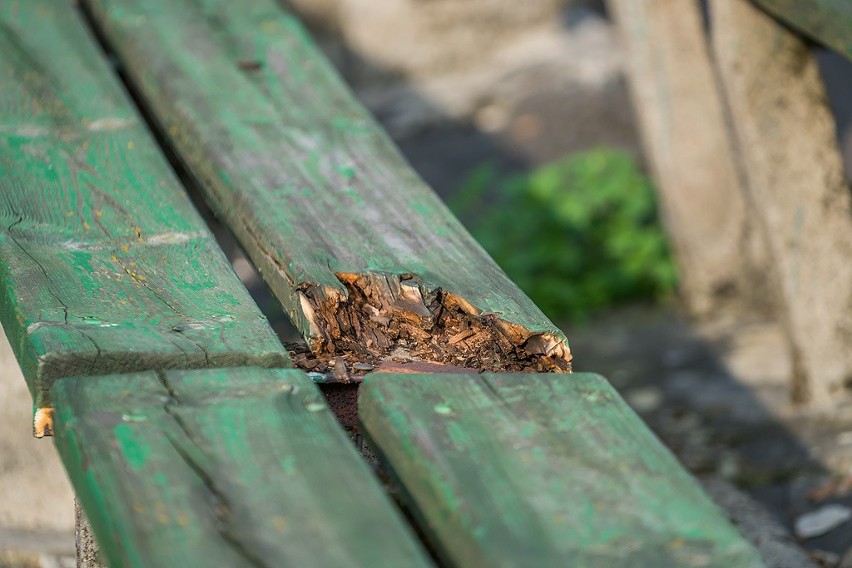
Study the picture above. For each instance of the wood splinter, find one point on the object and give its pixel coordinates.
(43, 422)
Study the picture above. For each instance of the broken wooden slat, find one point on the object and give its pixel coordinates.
(541, 470)
(681, 113)
(106, 267)
(788, 144)
(827, 21)
(225, 467)
(362, 254)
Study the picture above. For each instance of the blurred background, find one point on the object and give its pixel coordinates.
(619, 162)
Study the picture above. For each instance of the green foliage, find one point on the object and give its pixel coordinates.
(578, 235)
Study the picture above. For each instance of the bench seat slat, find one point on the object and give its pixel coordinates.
(106, 266)
(226, 467)
(309, 183)
(541, 470)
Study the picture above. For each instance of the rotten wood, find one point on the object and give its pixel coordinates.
(105, 264)
(720, 254)
(225, 467)
(788, 144)
(365, 258)
(541, 470)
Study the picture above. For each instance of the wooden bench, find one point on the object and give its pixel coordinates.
(189, 436)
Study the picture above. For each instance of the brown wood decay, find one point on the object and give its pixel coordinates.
(388, 318)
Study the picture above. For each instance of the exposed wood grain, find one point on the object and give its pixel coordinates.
(226, 467)
(682, 118)
(827, 21)
(105, 265)
(787, 135)
(362, 254)
(541, 470)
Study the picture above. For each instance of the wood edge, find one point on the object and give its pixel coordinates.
(43, 421)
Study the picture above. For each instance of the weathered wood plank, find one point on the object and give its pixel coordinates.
(541, 470)
(105, 265)
(829, 22)
(788, 144)
(681, 113)
(225, 467)
(363, 255)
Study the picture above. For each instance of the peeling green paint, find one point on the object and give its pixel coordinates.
(135, 451)
(527, 471)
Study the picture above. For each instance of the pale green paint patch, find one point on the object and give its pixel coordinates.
(135, 451)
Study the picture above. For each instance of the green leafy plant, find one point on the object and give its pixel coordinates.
(578, 235)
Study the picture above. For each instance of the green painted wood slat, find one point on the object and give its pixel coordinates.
(315, 191)
(224, 467)
(105, 264)
(299, 190)
(541, 470)
(107, 268)
(828, 22)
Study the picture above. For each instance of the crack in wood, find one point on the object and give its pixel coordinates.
(37, 263)
(191, 451)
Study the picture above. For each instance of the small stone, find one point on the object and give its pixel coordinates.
(824, 557)
(822, 520)
(729, 467)
(846, 561)
(491, 118)
(674, 358)
(645, 399)
(362, 367)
